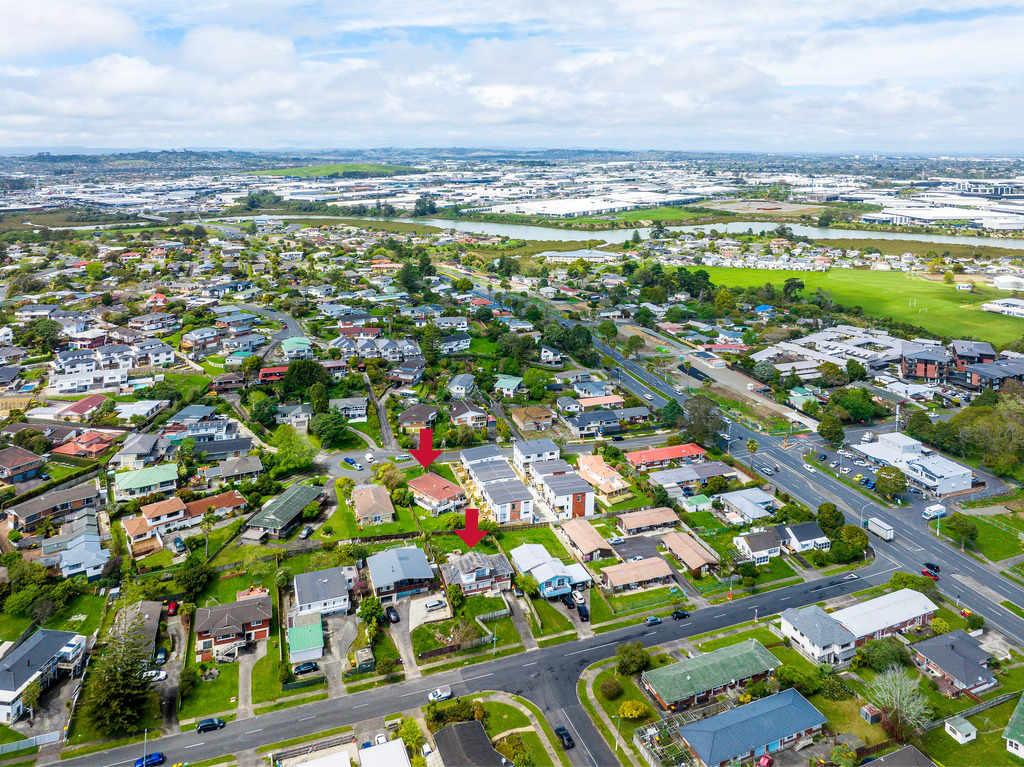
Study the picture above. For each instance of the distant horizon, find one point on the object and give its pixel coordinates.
(750, 76)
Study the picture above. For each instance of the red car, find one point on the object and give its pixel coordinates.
(930, 574)
(172, 608)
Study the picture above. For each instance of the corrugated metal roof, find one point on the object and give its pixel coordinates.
(693, 676)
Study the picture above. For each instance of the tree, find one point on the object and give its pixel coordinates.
(209, 520)
(660, 497)
(611, 688)
(940, 626)
(855, 371)
(672, 415)
(187, 681)
(963, 527)
(386, 667)
(703, 422)
(830, 519)
(633, 346)
(898, 695)
(608, 331)
(880, 654)
(528, 584)
(843, 756)
(118, 693)
(388, 475)
(30, 697)
(330, 428)
(890, 481)
(752, 450)
(318, 397)
(303, 374)
(724, 302)
(371, 612)
(455, 596)
(410, 733)
(633, 658)
(832, 374)
(791, 287)
(804, 678)
(633, 709)
(830, 429)
(854, 536)
(192, 576)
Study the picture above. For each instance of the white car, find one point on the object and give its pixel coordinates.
(808, 468)
(649, 396)
(441, 693)
(845, 470)
(156, 675)
(834, 465)
(933, 415)
(357, 466)
(637, 558)
(402, 457)
(380, 740)
(860, 463)
(616, 541)
(577, 597)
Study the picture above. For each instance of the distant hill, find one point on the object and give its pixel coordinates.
(341, 170)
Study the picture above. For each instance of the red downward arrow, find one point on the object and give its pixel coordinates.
(425, 453)
(472, 535)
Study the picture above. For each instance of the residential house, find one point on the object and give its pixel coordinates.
(90, 445)
(508, 386)
(806, 536)
(647, 520)
(464, 412)
(646, 573)
(273, 374)
(532, 417)
(279, 515)
(745, 732)
(695, 681)
(749, 505)
(461, 385)
(222, 630)
(436, 494)
(608, 484)
(474, 456)
(692, 553)
(295, 414)
(509, 500)
(409, 372)
(654, 458)
(353, 408)
(568, 495)
(397, 573)
(372, 505)
(41, 658)
(140, 450)
(234, 470)
(1013, 733)
(18, 465)
(57, 505)
(227, 382)
(967, 353)
(456, 343)
(758, 547)
(157, 322)
(549, 355)
(956, 661)
(466, 744)
(928, 364)
(584, 541)
(323, 592)
(553, 576)
(478, 573)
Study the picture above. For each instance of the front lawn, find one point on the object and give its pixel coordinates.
(11, 626)
(987, 749)
(777, 569)
(502, 717)
(552, 620)
(404, 523)
(762, 635)
(213, 696)
(82, 615)
(342, 524)
(157, 560)
(629, 692)
(545, 536)
(631, 601)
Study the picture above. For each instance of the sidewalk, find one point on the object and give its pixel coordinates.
(503, 697)
(623, 752)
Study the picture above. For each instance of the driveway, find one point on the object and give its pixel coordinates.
(168, 689)
(401, 634)
(342, 632)
(638, 546)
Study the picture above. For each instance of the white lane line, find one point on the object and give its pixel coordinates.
(482, 676)
(258, 729)
(783, 599)
(407, 694)
(361, 705)
(307, 718)
(531, 664)
(721, 615)
(649, 633)
(578, 738)
(589, 649)
(114, 764)
(194, 745)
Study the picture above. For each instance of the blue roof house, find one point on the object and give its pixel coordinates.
(746, 732)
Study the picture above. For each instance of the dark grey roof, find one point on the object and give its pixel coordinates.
(535, 446)
(418, 413)
(56, 498)
(567, 484)
(281, 511)
(232, 615)
(147, 613)
(508, 491)
(973, 348)
(225, 446)
(805, 531)
(762, 541)
(908, 756)
(484, 451)
(756, 725)
(818, 626)
(497, 564)
(958, 654)
(23, 662)
(388, 567)
(321, 585)
(493, 471)
(466, 744)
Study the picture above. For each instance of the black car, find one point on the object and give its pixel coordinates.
(567, 600)
(565, 738)
(391, 613)
(306, 668)
(822, 457)
(206, 725)
(678, 615)
(584, 613)
(617, 438)
(933, 567)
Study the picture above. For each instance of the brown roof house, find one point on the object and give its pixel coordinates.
(585, 542)
(696, 558)
(649, 519)
(222, 630)
(653, 571)
(532, 417)
(417, 417)
(372, 505)
(436, 494)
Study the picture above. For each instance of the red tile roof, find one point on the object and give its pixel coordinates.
(436, 487)
(672, 453)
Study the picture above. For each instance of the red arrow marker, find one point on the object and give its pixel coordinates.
(425, 453)
(472, 535)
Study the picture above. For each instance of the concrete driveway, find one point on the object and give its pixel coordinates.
(342, 631)
(401, 634)
(168, 689)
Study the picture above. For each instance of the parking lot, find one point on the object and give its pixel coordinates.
(638, 546)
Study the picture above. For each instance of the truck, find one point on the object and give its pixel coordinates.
(867, 436)
(935, 511)
(880, 528)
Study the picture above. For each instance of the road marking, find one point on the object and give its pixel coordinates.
(606, 644)
(721, 615)
(783, 599)
(406, 695)
(307, 718)
(260, 729)
(361, 705)
(482, 676)
(649, 633)
(531, 664)
(196, 744)
(569, 721)
(114, 764)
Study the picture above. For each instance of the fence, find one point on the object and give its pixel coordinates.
(983, 706)
(35, 740)
(470, 644)
(337, 740)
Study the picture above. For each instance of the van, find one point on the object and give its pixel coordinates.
(935, 511)
(434, 605)
(584, 613)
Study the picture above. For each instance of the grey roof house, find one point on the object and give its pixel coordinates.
(398, 573)
(323, 591)
(957, 660)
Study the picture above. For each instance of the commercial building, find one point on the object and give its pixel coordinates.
(923, 467)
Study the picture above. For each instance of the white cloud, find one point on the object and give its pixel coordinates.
(748, 74)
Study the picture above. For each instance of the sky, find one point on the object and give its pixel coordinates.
(900, 76)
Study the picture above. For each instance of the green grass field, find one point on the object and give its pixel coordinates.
(939, 308)
(214, 696)
(340, 169)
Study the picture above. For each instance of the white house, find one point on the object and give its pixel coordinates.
(323, 591)
(803, 537)
(759, 546)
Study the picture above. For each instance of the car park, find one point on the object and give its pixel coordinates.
(678, 615)
(564, 738)
(391, 613)
(930, 574)
(306, 668)
(652, 620)
(151, 760)
(206, 725)
(155, 675)
(441, 693)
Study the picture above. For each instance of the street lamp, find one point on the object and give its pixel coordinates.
(618, 722)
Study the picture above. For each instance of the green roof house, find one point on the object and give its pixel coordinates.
(508, 386)
(297, 348)
(306, 638)
(153, 479)
(695, 680)
(279, 515)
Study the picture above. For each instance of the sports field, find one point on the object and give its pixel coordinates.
(339, 169)
(936, 306)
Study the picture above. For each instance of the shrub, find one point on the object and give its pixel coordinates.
(187, 681)
(632, 709)
(834, 688)
(611, 689)
(940, 626)
(975, 622)
(284, 673)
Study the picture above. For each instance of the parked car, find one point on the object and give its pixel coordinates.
(151, 760)
(568, 601)
(172, 609)
(766, 760)
(391, 613)
(930, 574)
(822, 457)
(637, 558)
(441, 693)
(380, 740)
(402, 457)
(563, 736)
(652, 620)
(155, 675)
(306, 532)
(577, 597)
(933, 567)
(206, 725)
(161, 656)
(350, 461)
(678, 615)
(584, 612)
(616, 541)
(845, 470)
(357, 466)
(306, 668)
